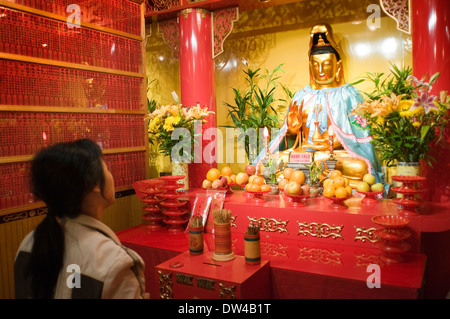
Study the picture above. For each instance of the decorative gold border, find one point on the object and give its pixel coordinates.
(204, 13)
(320, 230)
(28, 212)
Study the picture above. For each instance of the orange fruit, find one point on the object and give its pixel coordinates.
(233, 178)
(265, 188)
(341, 192)
(327, 182)
(338, 181)
(213, 174)
(248, 185)
(287, 173)
(258, 180)
(335, 173)
(226, 171)
(254, 188)
(329, 191)
(298, 176)
(349, 190)
(282, 184)
(251, 178)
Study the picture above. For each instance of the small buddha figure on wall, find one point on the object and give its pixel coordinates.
(318, 117)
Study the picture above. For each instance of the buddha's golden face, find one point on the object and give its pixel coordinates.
(325, 70)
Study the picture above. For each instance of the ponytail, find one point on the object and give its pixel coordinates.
(46, 257)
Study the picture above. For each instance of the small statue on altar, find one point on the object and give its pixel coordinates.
(318, 117)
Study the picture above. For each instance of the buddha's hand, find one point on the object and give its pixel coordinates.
(294, 118)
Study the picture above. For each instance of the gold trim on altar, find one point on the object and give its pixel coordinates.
(270, 224)
(320, 230)
(165, 285)
(364, 234)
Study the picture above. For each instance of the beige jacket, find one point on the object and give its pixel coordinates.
(106, 269)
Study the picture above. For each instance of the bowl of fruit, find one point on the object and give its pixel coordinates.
(293, 186)
(336, 189)
(370, 189)
(219, 179)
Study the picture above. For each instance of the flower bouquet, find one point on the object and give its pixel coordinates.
(403, 118)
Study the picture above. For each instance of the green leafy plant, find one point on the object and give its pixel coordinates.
(315, 169)
(254, 108)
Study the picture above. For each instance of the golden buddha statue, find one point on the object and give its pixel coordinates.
(318, 116)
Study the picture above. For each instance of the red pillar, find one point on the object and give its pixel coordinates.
(431, 54)
(198, 83)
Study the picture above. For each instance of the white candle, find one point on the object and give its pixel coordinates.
(266, 139)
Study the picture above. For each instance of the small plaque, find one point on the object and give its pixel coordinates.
(205, 283)
(185, 279)
(295, 157)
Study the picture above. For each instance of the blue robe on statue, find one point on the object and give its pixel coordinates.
(337, 103)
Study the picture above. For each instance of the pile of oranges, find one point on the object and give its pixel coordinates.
(336, 185)
(257, 183)
(218, 179)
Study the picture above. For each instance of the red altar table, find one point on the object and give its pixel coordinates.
(315, 250)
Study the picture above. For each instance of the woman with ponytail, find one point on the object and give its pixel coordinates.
(71, 253)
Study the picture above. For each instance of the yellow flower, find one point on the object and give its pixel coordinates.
(176, 120)
(405, 105)
(416, 124)
(405, 114)
(380, 120)
(418, 112)
(154, 124)
(168, 123)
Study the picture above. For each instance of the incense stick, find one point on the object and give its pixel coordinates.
(196, 221)
(253, 229)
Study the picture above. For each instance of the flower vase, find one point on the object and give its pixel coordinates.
(406, 169)
(181, 168)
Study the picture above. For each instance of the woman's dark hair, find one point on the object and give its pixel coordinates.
(61, 176)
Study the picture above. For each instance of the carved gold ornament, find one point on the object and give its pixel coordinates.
(165, 285)
(274, 250)
(227, 292)
(364, 234)
(271, 224)
(320, 230)
(323, 256)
